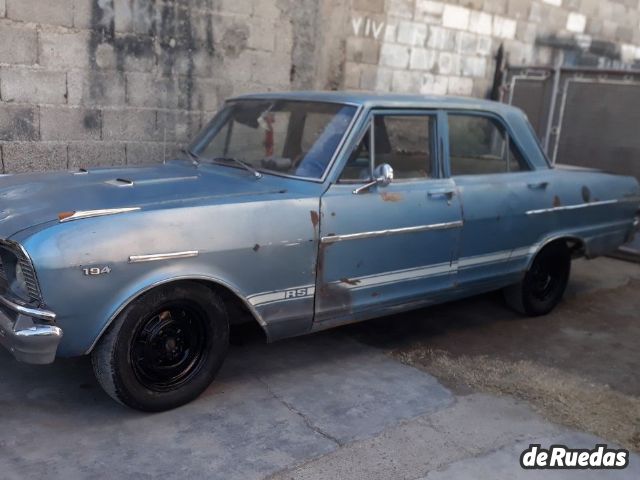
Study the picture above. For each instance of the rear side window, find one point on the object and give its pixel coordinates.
(480, 145)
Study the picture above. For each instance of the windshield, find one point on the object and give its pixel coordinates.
(282, 136)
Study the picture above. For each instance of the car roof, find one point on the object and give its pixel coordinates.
(386, 100)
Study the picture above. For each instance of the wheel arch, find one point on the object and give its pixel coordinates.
(229, 294)
(576, 244)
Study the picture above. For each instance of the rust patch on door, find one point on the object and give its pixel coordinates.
(348, 281)
(391, 197)
(556, 201)
(256, 247)
(315, 218)
(586, 194)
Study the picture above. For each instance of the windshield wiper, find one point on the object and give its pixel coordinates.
(242, 163)
(194, 156)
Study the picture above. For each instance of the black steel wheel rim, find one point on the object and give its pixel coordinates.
(545, 278)
(169, 347)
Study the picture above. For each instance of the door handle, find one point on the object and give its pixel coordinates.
(442, 193)
(538, 186)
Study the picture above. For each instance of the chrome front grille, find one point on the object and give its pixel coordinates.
(23, 259)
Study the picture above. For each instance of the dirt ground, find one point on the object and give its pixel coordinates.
(578, 366)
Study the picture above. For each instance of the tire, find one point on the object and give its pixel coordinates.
(164, 349)
(544, 284)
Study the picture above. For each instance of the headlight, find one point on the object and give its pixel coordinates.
(19, 283)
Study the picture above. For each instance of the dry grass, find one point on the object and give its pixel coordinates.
(560, 396)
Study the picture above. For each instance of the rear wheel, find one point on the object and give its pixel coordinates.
(544, 283)
(165, 348)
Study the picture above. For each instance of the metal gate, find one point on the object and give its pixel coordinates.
(585, 117)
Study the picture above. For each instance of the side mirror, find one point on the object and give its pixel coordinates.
(383, 175)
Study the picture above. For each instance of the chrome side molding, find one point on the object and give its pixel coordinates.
(392, 231)
(162, 256)
(97, 213)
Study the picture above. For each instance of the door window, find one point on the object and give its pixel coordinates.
(406, 142)
(480, 145)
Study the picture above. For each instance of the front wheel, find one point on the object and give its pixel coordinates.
(165, 348)
(544, 283)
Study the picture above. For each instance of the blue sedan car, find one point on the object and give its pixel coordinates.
(301, 212)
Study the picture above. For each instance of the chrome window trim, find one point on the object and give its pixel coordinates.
(30, 312)
(162, 256)
(98, 213)
(392, 231)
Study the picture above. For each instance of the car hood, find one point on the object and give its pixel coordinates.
(27, 200)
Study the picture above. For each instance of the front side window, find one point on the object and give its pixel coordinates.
(406, 142)
(288, 137)
(480, 145)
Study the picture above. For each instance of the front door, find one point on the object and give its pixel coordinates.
(392, 245)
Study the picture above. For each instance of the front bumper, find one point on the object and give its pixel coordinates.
(28, 333)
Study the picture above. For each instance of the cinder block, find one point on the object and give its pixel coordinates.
(96, 154)
(147, 90)
(129, 125)
(181, 127)
(352, 73)
(434, 85)
(555, 3)
(412, 33)
(474, 66)
(449, 64)
(272, 10)
(456, 17)
(372, 6)
(466, 43)
(34, 156)
(441, 39)
(504, 27)
(400, 8)
(3, 8)
(526, 32)
(406, 81)
(209, 95)
(394, 56)
(480, 23)
(576, 22)
(422, 59)
(28, 85)
(363, 50)
(262, 34)
(63, 50)
(82, 13)
(369, 77)
(518, 9)
(485, 45)
(236, 6)
(272, 69)
(384, 79)
(50, 12)
(18, 45)
(428, 11)
(95, 88)
(18, 123)
(57, 123)
(460, 86)
(149, 153)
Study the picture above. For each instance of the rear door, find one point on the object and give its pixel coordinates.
(388, 245)
(497, 187)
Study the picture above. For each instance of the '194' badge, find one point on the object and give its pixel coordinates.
(94, 271)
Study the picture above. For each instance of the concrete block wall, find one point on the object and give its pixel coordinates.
(124, 82)
(449, 46)
(117, 82)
